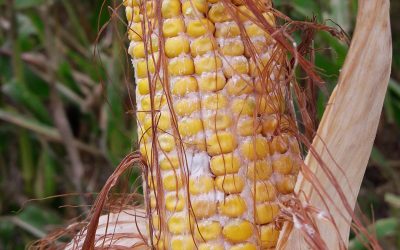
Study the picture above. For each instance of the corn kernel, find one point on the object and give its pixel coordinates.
(245, 246)
(238, 231)
(173, 27)
(207, 64)
(153, 201)
(283, 164)
(163, 121)
(194, 6)
(174, 46)
(218, 13)
(259, 170)
(227, 30)
(247, 127)
(208, 230)
(232, 48)
(264, 191)
(232, 206)
(270, 104)
(269, 125)
(170, 8)
(152, 181)
(256, 148)
(224, 164)
(172, 182)
(182, 242)
(217, 122)
(166, 142)
(146, 66)
(242, 107)
(221, 143)
(187, 106)
(237, 66)
(174, 202)
(266, 212)
(230, 184)
(184, 85)
(180, 223)
(239, 86)
(214, 102)
(135, 32)
(190, 126)
(158, 101)
(202, 45)
(170, 162)
(211, 82)
(180, 66)
(204, 208)
(146, 150)
(201, 185)
(156, 221)
(285, 184)
(269, 236)
(158, 241)
(279, 144)
(253, 30)
(211, 246)
(199, 27)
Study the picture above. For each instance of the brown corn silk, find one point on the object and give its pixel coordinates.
(214, 120)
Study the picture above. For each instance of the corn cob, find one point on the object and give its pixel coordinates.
(213, 122)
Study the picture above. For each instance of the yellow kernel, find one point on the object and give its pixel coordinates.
(238, 231)
(135, 32)
(158, 102)
(143, 86)
(207, 64)
(253, 30)
(190, 126)
(202, 45)
(245, 246)
(214, 102)
(170, 162)
(152, 181)
(184, 85)
(199, 27)
(217, 121)
(264, 191)
(132, 14)
(173, 27)
(182, 242)
(242, 107)
(166, 142)
(187, 106)
(174, 46)
(221, 143)
(170, 8)
(256, 68)
(172, 182)
(232, 206)
(156, 221)
(269, 236)
(158, 241)
(204, 208)
(209, 230)
(256, 148)
(229, 184)
(224, 164)
(211, 246)
(279, 144)
(189, 7)
(146, 150)
(259, 170)
(270, 104)
(201, 185)
(131, 3)
(227, 31)
(211, 82)
(239, 86)
(218, 13)
(174, 202)
(248, 126)
(153, 201)
(236, 66)
(232, 48)
(285, 184)
(180, 223)
(283, 164)
(146, 66)
(180, 66)
(163, 120)
(269, 125)
(245, 13)
(266, 212)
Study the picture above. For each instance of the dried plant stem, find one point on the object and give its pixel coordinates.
(346, 134)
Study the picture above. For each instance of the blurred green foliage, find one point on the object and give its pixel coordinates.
(52, 52)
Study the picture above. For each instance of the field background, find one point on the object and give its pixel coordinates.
(65, 119)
